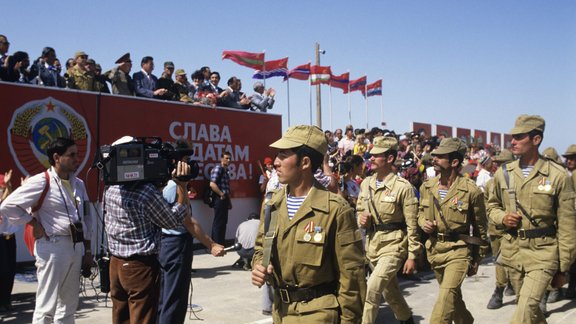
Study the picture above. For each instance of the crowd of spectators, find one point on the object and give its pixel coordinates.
(84, 73)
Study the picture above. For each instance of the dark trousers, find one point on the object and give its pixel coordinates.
(7, 268)
(176, 266)
(134, 288)
(246, 255)
(220, 220)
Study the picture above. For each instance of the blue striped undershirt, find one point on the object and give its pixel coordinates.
(526, 169)
(442, 193)
(294, 204)
(379, 183)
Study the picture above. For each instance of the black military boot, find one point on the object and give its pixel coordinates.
(408, 321)
(554, 295)
(543, 304)
(496, 299)
(509, 291)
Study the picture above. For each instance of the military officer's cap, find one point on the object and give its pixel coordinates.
(123, 58)
(449, 145)
(505, 156)
(180, 72)
(570, 151)
(80, 53)
(383, 144)
(296, 136)
(168, 64)
(527, 123)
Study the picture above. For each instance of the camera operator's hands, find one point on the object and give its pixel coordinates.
(260, 274)
(365, 219)
(182, 169)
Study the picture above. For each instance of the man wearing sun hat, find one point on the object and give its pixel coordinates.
(534, 199)
(79, 75)
(449, 205)
(309, 246)
(388, 209)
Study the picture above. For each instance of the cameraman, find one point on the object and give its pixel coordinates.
(134, 217)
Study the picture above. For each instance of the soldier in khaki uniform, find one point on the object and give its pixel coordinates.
(309, 246)
(78, 76)
(570, 156)
(496, 233)
(388, 208)
(533, 197)
(449, 205)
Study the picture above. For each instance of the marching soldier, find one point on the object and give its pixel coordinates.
(449, 205)
(309, 246)
(534, 198)
(496, 232)
(388, 209)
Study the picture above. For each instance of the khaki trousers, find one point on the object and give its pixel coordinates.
(383, 280)
(533, 288)
(449, 306)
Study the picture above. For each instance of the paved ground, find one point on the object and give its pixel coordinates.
(225, 295)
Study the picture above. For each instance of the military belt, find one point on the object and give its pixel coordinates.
(290, 294)
(533, 233)
(390, 226)
(453, 237)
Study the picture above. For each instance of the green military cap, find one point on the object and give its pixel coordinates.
(123, 58)
(168, 64)
(297, 136)
(80, 53)
(382, 144)
(570, 151)
(90, 61)
(449, 145)
(505, 156)
(180, 72)
(527, 123)
(551, 154)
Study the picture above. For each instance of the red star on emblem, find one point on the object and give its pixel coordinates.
(50, 106)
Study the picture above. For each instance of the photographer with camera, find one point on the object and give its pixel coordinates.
(135, 214)
(56, 198)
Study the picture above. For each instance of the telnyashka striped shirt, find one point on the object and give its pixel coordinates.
(526, 169)
(442, 193)
(294, 204)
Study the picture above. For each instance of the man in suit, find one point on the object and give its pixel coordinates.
(262, 100)
(145, 81)
(232, 97)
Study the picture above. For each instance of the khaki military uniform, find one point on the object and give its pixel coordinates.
(386, 249)
(548, 196)
(80, 79)
(182, 92)
(330, 258)
(121, 82)
(450, 258)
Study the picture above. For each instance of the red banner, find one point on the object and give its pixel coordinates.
(442, 130)
(32, 116)
(422, 127)
(495, 139)
(481, 137)
(464, 134)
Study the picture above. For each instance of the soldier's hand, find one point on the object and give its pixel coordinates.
(364, 219)
(429, 227)
(558, 280)
(409, 266)
(260, 274)
(511, 220)
(473, 269)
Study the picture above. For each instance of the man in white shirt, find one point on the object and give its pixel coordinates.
(59, 253)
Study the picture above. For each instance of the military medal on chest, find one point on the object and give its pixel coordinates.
(308, 230)
(541, 184)
(318, 234)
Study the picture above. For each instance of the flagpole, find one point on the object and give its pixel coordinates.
(310, 97)
(288, 98)
(349, 104)
(381, 108)
(366, 99)
(331, 107)
(264, 68)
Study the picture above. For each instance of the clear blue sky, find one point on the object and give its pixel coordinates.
(472, 64)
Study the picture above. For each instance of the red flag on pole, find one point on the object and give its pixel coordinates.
(358, 84)
(251, 60)
(340, 81)
(301, 72)
(320, 74)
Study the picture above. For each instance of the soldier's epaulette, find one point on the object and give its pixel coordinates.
(338, 199)
(430, 182)
(554, 164)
